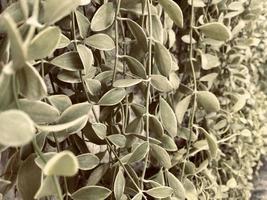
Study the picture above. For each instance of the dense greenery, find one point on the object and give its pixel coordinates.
(132, 99)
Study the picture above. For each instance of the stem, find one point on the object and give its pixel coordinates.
(148, 88)
(116, 41)
(191, 121)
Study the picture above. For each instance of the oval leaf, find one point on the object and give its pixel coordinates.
(62, 164)
(87, 161)
(68, 61)
(160, 192)
(163, 59)
(100, 41)
(112, 97)
(208, 100)
(16, 127)
(91, 193)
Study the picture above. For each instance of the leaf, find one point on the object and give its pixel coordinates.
(168, 143)
(118, 140)
(67, 126)
(212, 61)
(212, 142)
(138, 196)
(44, 43)
(69, 76)
(91, 193)
(26, 190)
(86, 57)
(139, 152)
(176, 185)
(138, 33)
(100, 41)
(168, 118)
(208, 100)
(163, 59)
(40, 112)
(31, 84)
(190, 190)
(161, 155)
(56, 10)
(16, 127)
(63, 41)
(87, 161)
(83, 24)
(93, 86)
(161, 83)
(174, 11)
(61, 102)
(47, 188)
(122, 83)
(135, 66)
(68, 61)
(158, 31)
(62, 164)
(160, 192)
(112, 97)
(18, 49)
(216, 31)
(47, 156)
(155, 126)
(84, 2)
(181, 108)
(119, 185)
(100, 130)
(103, 18)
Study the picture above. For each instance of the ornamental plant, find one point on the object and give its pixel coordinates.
(131, 99)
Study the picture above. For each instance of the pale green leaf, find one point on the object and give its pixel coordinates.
(160, 192)
(87, 161)
(208, 100)
(100, 41)
(112, 97)
(91, 193)
(68, 61)
(62, 164)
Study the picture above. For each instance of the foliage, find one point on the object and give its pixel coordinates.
(137, 99)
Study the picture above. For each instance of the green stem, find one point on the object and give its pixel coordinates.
(116, 40)
(191, 121)
(148, 88)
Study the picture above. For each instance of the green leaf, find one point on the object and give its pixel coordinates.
(103, 18)
(86, 57)
(155, 126)
(181, 108)
(26, 190)
(139, 152)
(56, 10)
(160, 192)
(138, 196)
(100, 41)
(161, 155)
(47, 156)
(212, 142)
(161, 83)
(16, 127)
(91, 193)
(47, 188)
(31, 84)
(168, 143)
(84, 2)
(122, 83)
(69, 76)
(69, 127)
(119, 185)
(190, 190)
(83, 24)
(135, 66)
(138, 33)
(63, 41)
(158, 31)
(118, 140)
(208, 100)
(61, 102)
(163, 59)
(68, 61)
(112, 97)
(18, 49)
(216, 31)
(62, 164)
(93, 86)
(176, 185)
(44, 43)
(40, 112)
(100, 130)
(87, 161)
(174, 11)
(168, 118)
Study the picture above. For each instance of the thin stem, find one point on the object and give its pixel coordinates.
(148, 88)
(191, 121)
(116, 40)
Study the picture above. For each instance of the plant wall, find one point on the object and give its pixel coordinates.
(131, 99)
